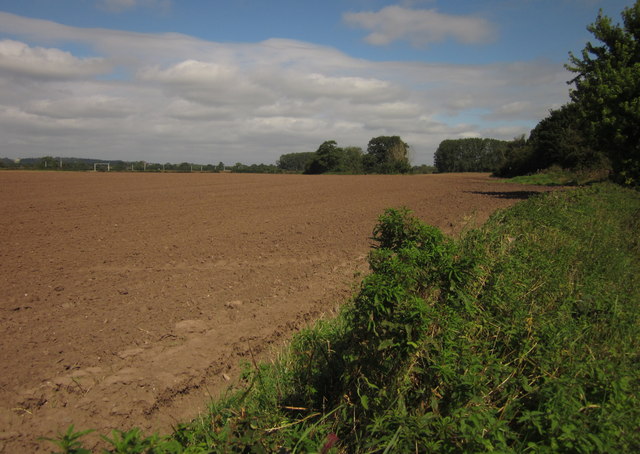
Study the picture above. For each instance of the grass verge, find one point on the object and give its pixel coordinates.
(521, 336)
(556, 176)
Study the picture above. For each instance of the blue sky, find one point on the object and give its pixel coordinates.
(246, 81)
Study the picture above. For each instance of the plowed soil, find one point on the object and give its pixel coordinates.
(130, 299)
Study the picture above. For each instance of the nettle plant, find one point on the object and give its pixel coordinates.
(413, 266)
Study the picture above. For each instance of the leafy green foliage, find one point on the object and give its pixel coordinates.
(329, 158)
(7, 163)
(557, 176)
(519, 159)
(386, 154)
(559, 139)
(69, 441)
(470, 155)
(134, 442)
(295, 162)
(121, 442)
(352, 160)
(607, 90)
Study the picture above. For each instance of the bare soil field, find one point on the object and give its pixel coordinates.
(130, 299)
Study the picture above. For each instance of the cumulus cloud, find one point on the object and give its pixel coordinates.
(421, 27)
(208, 83)
(175, 98)
(20, 59)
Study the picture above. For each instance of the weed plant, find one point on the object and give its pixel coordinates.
(520, 336)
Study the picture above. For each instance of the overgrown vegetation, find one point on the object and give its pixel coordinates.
(520, 336)
(558, 176)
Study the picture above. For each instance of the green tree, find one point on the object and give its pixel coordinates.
(386, 154)
(184, 167)
(560, 139)
(295, 162)
(239, 167)
(48, 162)
(327, 158)
(331, 158)
(352, 160)
(607, 90)
(519, 159)
(470, 155)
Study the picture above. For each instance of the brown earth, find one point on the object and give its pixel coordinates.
(129, 299)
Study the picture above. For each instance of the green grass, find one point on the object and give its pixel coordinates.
(521, 336)
(556, 176)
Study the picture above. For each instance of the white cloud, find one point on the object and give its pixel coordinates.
(172, 97)
(95, 106)
(307, 84)
(182, 109)
(420, 27)
(45, 63)
(511, 110)
(192, 72)
(209, 83)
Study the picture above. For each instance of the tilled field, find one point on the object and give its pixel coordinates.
(129, 299)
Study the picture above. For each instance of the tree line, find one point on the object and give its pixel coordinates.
(384, 155)
(85, 164)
